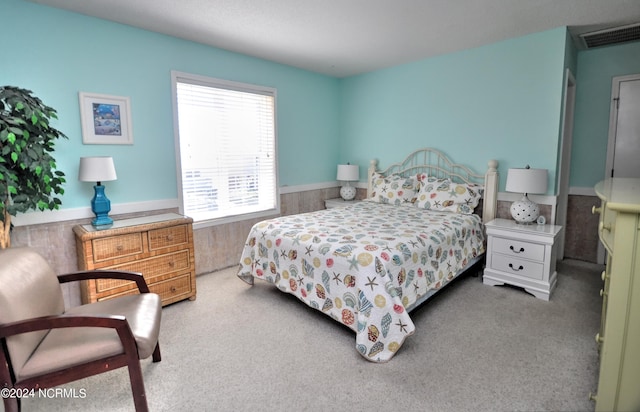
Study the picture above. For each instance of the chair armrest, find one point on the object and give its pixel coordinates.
(117, 322)
(106, 274)
(61, 321)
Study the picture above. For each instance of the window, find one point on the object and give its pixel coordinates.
(226, 148)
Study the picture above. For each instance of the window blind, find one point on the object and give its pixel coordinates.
(227, 140)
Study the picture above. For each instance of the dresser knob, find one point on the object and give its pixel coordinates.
(596, 210)
(172, 264)
(602, 227)
(514, 269)
(119, 248)
(170, 238)
(602, 293)
(599, 339)
(593, 396)
(604, 275)
(173, 289)
(516, 251)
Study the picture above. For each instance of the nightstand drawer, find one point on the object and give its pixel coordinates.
(515, 266)
(338, 202)
(518, 249)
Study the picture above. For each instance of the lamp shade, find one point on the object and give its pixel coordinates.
(97, 169)
(527, 180)
(348, 173)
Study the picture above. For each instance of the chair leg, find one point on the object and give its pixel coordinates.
(11, 404)
(137, 387)
(156, 353)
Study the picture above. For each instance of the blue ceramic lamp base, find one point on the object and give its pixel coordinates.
(101, 206)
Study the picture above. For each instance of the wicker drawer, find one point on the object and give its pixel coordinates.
(150, 268)
(116, 246)
(166, 237)
(520, 267)
(170, 290)
(518, 249)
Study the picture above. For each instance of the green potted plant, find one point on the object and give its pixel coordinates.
(28, 176)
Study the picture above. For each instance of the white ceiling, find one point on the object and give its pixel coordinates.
(346, 37)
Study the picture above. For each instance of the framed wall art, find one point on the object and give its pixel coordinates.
(105, 119)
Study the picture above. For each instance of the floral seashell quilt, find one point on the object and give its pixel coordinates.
(365, 265)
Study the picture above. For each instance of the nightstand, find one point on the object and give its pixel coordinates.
(522, 255)
(338, 202)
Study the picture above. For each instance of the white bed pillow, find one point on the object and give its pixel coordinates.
(394, 189)
(447, 196)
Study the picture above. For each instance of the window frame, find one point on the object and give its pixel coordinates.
(183, 77)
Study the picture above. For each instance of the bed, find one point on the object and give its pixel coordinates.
(369, 264)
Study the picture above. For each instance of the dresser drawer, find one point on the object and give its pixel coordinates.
(518, 249)
(116, 246)
(606, 226)
(151, 269)
(166, 237)
(172, 290)
(515, 266)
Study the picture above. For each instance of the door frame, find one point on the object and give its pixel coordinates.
(611, 143)
(613, 120)
(564, 164)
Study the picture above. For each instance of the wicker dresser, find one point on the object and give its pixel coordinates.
(160, 247)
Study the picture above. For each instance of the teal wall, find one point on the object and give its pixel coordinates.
(57, 54)
(501, 101)
(596, 70)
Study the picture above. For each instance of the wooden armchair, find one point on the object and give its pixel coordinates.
(43, 345)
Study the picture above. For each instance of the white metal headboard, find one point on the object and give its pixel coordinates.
(437, 164)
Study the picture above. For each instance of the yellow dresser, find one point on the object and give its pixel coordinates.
(159, 246)
(619, 335)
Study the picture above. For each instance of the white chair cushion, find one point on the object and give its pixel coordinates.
(66, 347)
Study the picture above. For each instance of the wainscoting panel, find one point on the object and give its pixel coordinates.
(219, 247)
(581, 239)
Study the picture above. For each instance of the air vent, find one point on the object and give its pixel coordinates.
(610, 36)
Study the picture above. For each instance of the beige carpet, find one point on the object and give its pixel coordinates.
(476, 348)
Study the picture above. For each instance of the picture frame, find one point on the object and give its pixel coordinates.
(105, 119)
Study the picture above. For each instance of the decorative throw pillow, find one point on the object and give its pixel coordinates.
(444, 195)
(394, 189)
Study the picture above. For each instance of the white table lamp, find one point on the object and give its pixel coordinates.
(526, 181)
(98, 169)
(348, 173)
